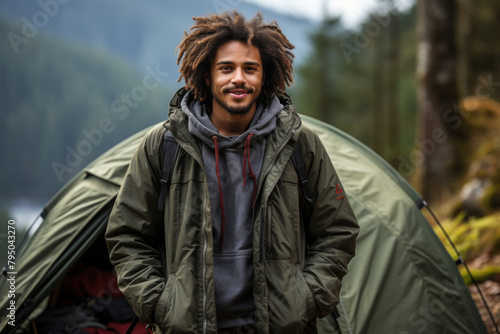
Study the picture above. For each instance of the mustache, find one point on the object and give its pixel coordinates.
(247, 89)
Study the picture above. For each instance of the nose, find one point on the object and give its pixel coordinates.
(238, 77)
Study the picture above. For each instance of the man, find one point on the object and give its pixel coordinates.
(237, 248)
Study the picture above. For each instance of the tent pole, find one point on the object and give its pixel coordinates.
(459, 261)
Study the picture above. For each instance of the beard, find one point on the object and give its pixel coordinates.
(240, 110)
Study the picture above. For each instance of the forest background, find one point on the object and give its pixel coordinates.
(420, 87)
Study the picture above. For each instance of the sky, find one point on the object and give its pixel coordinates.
(352, 12)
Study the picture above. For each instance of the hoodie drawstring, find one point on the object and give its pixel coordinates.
(221, 197)
(246, 157)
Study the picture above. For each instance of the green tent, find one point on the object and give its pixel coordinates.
(401, 281)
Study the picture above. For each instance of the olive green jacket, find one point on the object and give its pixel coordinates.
(164, 260)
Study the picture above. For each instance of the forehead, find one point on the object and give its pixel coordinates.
(237, 52)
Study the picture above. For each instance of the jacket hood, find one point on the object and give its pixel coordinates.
(287, 121)
(200, 125)
(287, 118)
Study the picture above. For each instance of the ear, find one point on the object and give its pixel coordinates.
(207, 79)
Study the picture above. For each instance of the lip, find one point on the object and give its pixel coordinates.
(238, 94)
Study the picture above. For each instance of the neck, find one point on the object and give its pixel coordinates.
(228, 124)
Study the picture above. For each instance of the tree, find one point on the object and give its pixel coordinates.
(345, 81)
(386, 119)
(379, 141)
(393, 112)
(442, 132)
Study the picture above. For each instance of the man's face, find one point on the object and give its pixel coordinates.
(236, 77)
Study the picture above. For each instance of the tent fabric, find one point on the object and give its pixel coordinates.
(66, 216)
(402, 279)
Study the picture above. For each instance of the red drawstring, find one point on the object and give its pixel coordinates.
(223, 218)
(246, 157)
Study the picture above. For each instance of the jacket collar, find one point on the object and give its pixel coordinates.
(178, 118)
(288, 122)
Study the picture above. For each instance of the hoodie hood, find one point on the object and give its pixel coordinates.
(200, 125)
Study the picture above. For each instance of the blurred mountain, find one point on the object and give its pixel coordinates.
(144, 32)
(62, 105)
(74, 76)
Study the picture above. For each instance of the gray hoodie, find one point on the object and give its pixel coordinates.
(233, 166)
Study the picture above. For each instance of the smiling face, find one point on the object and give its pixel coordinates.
(236, 78)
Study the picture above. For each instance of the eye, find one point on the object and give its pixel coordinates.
(225, 68)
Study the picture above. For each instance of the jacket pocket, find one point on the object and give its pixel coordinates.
(291, 304)
(164, 304)
(283, 221)
(176, 310)
(182, 218)
(307, 293)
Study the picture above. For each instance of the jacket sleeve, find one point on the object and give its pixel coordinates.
(331, 229)
(135, 230)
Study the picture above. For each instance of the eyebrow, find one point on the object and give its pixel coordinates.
(231, 63)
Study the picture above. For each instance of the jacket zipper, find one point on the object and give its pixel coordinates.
(263, 213)
(196, 157)
(204, 263)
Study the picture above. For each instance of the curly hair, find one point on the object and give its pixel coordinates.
(198, 48)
